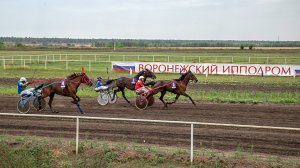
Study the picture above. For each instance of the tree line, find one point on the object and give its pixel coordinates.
(120, 43)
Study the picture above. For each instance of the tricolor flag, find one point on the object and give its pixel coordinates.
(297, 72)
(123, 67)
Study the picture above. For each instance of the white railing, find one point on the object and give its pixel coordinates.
(151, 121)
(151, 58)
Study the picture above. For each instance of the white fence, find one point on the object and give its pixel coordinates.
(90, 60)
(150, 121)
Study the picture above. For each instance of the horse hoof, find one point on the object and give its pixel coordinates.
(55, 112)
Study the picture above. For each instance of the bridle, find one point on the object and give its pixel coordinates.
(85, 79)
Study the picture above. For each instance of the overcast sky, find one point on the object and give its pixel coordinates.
(152, 19)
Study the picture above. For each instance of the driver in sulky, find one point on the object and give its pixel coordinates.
(139, 86)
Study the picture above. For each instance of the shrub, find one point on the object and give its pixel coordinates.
(242, 47)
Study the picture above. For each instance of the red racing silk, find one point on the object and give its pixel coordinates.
(139, 84)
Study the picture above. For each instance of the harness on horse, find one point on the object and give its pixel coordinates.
(173, 84)
(64, 86)
(134, 79)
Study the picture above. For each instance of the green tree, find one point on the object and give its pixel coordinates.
(1, 45)
(19, 45)
(250, 47)
(242, 47)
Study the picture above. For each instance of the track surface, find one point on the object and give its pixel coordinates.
(274, 142)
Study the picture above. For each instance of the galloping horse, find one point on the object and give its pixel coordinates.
(72, 83)
(129, 82)
(163, 86)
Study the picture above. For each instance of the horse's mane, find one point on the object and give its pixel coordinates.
(182, 76)
(140, 73)
(73, 75)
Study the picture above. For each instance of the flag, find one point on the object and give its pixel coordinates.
(123, 67)
(297, 72)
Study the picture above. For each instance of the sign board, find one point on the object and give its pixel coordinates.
(210, 68)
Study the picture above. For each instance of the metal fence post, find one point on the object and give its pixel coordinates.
(199, 59)
(46, 62)
(192, 143)
(89, 65)
(249, 60)
(285, 60)
(231, 59)
(123, 57)
(77, 134)
(4, 63)
(168, 58)
(66, 64)
(267, 60)
(24, 63)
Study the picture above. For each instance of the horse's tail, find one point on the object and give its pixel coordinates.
(150, 83)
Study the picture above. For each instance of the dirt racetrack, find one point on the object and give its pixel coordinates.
(275, 142)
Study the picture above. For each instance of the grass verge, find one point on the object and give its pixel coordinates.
(32, 151)
(55, 73)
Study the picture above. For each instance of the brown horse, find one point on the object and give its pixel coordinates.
(163, 86)
(72, 83)
(129, 82)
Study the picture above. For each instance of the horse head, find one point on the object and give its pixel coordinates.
(191, 76)
(148, 73)
(85, 79)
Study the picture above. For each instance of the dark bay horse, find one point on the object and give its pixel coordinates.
(72, 83)
(129, 82)
(163, 86)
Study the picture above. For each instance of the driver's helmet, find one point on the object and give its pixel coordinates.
(99, 78)
(141, 77)
(23, 79)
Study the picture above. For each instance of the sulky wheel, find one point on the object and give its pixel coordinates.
(39, 102)
(141, 102)
(111, 95)
(23, 105)
(150, 101)
(102, 98)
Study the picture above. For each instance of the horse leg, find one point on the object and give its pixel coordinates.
(123, 94)
(161, 98)
(176, 98)
(40, 103)
(75, 101)
(186, 95)
(115, 92)
(78, 99)
(50, 102)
